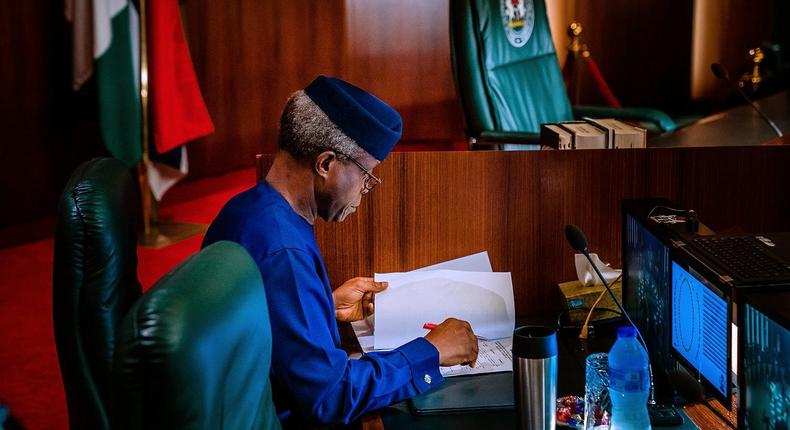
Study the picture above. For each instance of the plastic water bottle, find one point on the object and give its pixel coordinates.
(629, 382)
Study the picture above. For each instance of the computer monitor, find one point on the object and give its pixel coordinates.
(764, 351)
(646, 281)
(700, 329)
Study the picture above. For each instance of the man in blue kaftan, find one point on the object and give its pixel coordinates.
(332, 135)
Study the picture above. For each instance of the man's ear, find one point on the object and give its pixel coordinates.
(323, 163)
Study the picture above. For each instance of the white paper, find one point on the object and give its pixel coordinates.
(471, 263)
(479, 262)
(484, 299)
(366, 343)
(493, 356)
(363, 329)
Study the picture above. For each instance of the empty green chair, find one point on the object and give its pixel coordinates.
(194, 352)
(508, 76)
(94, 282)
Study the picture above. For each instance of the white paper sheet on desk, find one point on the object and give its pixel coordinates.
(485, 299)
(493, 356)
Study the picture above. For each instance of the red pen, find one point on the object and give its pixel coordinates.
(431, 326)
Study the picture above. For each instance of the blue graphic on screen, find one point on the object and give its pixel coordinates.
(766, 362)
(699, 327)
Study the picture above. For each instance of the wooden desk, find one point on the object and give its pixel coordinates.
(712, 416)
(739, 126)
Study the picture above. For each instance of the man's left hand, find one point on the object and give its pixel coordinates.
(354, 299)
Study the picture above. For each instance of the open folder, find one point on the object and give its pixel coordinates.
(469, 394)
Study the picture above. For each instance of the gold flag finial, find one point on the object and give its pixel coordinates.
(753, 78)
(574, 32)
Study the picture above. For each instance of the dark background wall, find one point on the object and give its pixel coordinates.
(642, 48)
(45, 129)
(249, 55)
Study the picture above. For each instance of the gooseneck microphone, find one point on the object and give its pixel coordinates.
(721, 73)
(578, 242)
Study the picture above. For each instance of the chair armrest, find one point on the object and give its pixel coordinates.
(655, 116)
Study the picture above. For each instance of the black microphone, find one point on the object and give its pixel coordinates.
(576, 238)
(578, 242)
(721, 73)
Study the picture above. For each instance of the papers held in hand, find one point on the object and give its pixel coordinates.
(483, 298)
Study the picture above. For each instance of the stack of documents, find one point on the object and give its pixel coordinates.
(466, 289)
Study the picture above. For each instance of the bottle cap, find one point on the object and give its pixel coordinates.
(626, 331)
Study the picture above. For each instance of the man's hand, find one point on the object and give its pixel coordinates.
(455, 341)
(354, 299)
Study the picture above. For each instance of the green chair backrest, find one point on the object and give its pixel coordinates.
(94, 282)
(194, 352)
(506, 66)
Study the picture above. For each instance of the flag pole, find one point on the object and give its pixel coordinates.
(142, 172)
(156, 234)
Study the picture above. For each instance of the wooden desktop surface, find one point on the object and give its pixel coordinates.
(739, 126)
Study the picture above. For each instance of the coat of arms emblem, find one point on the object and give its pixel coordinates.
(518, 18)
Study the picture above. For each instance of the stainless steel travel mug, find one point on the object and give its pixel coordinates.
(535, 377)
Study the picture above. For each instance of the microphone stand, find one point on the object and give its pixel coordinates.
(651, 400)
(754, 106)
(720, 72)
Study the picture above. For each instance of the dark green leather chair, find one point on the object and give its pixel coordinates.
(195, 351)
(94, 282)
(509, 86)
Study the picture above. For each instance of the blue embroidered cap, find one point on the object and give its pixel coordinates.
(363, 117)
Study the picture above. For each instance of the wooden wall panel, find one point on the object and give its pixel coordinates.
(352, 245)
(47, 130)
(249, 57)
(717, 186)
(25, 114)
(438, 206)
(724, 31)
(400, 50)
(524, 247)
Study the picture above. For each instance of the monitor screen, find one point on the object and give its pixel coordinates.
(700, 328)
(646, 280)
(765, 376)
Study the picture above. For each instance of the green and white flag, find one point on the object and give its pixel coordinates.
(105, 42)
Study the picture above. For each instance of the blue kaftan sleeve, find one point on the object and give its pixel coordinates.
(311, 371)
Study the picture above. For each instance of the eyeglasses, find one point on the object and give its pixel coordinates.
(371, 181)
